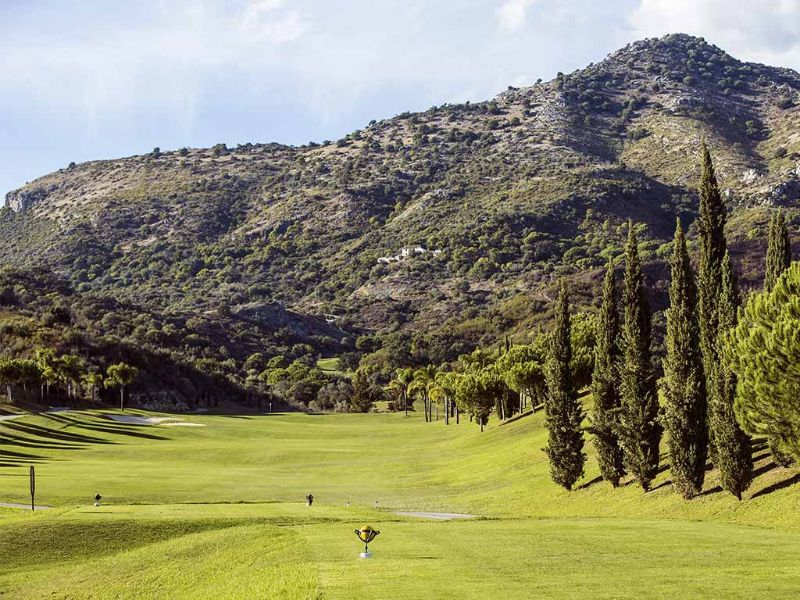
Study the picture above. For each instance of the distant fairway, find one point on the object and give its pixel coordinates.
(216, 512)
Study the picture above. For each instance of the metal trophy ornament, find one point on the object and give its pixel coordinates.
(366, 534)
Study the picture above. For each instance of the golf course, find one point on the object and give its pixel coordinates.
(213, 506)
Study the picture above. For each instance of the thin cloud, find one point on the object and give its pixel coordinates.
(511, 15)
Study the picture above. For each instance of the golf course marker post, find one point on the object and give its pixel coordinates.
(33, 488)
(366, 534)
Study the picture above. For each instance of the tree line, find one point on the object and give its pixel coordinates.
(505, 380)
(63, 376)
(728, 373)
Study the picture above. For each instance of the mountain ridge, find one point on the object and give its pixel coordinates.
(502, 196)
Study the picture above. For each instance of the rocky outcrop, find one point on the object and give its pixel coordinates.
(22, 199)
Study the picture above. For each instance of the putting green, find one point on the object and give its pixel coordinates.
(216, 511)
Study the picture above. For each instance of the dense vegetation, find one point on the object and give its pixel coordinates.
(226, 273)
(707, 401)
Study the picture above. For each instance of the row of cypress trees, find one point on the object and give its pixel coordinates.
(699, 389)
(625, 421)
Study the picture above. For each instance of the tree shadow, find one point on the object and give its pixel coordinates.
(759, 457)
(778, 485)
(714, 490)
(39, 431)
(113, 428)
(9, 458)
(10, 439)
(590, 483)
(764, 468)
(663, 484)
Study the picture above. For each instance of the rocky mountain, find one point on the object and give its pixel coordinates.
(424, 234)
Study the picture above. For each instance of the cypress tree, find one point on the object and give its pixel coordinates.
(779, 257)
(605, 389)
(779, 251)
(711, 233)
(639, 430)
(563, 410)
(684, 379)
(733, 449)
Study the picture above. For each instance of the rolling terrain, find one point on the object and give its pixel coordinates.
(215, 510)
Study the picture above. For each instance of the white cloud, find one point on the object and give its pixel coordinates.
(263, 20)
(161, 61)
(511, 15)
(765, 31)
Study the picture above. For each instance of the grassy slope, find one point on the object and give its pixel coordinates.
(650, 543)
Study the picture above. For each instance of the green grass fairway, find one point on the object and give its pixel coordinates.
(329, 365)
(215, 511)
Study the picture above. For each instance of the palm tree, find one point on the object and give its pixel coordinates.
(421, 385)
(120, 375)
(444, 388)
(69, 369)
(46, 359)
(401, 382)
(93, 380)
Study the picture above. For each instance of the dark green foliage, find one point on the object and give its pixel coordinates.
(365, 392)
(188, 260)
(733, 448)
(17, 371)
(779, 251)
(564, 413)
(684, 379)
(764, 352)
(522, 368)
(120, 375)
(639, 429)
(605, 382)
(779, 257)
(475, 392)
(711, 234)
(583, 328)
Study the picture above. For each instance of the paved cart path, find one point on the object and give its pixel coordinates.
(22, 506)
(434, 515)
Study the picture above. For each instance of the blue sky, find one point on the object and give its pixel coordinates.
(87, 79)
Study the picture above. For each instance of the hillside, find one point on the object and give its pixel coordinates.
(431, 231)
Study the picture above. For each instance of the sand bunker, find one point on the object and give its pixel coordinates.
(137, 420)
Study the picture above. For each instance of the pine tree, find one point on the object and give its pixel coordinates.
(639, 430)
(711, 234)
(733, 449)
(684, 379)
(605, 379)
(563, 410)
(764, 352)
(779, 257)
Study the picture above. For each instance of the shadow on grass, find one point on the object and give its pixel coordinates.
(765, 468)
(10, 439)
(111, 427)
(590, 483)
(663, 484)
(778, 485)
(38, 430)
(12, 459)
(714, 490)
(55, 437)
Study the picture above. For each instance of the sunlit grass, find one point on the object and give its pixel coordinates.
(217, 511)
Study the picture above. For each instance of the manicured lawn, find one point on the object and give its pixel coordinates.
(216, 511)
(329, 365)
